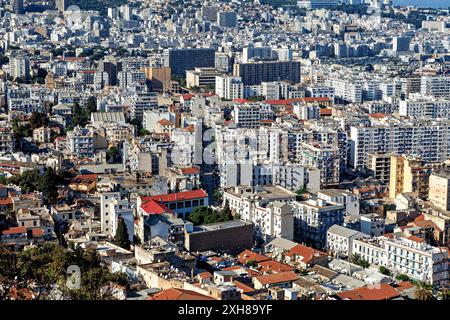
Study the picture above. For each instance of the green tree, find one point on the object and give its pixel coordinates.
(47, 185)
(423, 291)
(38, 119)
(91, 105)
(113, 153)
(402, 277)
(357, 259)
(122, 238)
(385, 271)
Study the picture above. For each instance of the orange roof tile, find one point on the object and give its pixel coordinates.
(274, 278)
(179, 294)
(379, 292)
(248, 255)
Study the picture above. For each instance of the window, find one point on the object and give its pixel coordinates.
(173, 206)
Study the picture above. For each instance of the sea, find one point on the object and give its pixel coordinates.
(424, 3)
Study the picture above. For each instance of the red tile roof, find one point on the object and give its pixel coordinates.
(154, 207)
(190, 170)
(275, 278)
(326, 112)
(185, 195)
(377, 292)
(244, 288)
(165, 122)
(205, 275)
(307, 253)
(248, 255)
(37, 232)
(274, 266)
(14, 230)
(179, 294)
(187, 96)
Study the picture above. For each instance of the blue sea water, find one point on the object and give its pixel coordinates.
(424, 3)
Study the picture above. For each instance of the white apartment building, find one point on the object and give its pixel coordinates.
(275, 90)
(313, 218)
(340, 240)
(229, 87)
(346, 89)
(141, 102)
(410, 256)
(272, 217)
(320, 92)
(80, 142)
(113, 207)
(325, 158)
(247, 115)
(430, 140)
(350, 200)
(437, 86)
(425, 108)
(19, 66)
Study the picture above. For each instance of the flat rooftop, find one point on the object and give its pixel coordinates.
(220, 225)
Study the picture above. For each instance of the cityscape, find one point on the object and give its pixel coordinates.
(224, 150)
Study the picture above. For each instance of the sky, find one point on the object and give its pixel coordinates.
(424, 3)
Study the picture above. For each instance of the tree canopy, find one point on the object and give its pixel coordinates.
(41, 273)
(122, 238)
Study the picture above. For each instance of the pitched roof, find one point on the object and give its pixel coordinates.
(277, 278)
(165, 122)
(179, 294)
(247, 255)
(154, 207)
(243, 287)
(185, 195)
(274, 266)
(14, 230)
(306, 252)
(190, 170)
(378, 292)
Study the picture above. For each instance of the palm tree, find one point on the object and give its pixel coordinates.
(423, 291)
(444, 294)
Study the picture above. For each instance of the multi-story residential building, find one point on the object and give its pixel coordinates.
(317, 4)
(439, 193)
(141, 102)
(112, 208)
(437, 86)
(19, 66)
(202, 77)
(229, 87)
(372, 224)
(340, 240)
(180, 203)
(347, 90)
(413, 257)
(7, 141)
(410, 256)
(313, 218)
(227, 19)
(323, 157)
(425, 108)
(180, 60)
(275, 90)
(350, 200)
(247, 115)
(271, 214)
(430, 140)
(42, 134)
(80, 142)
(267, 71)
(409, 174)
(379, 165)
